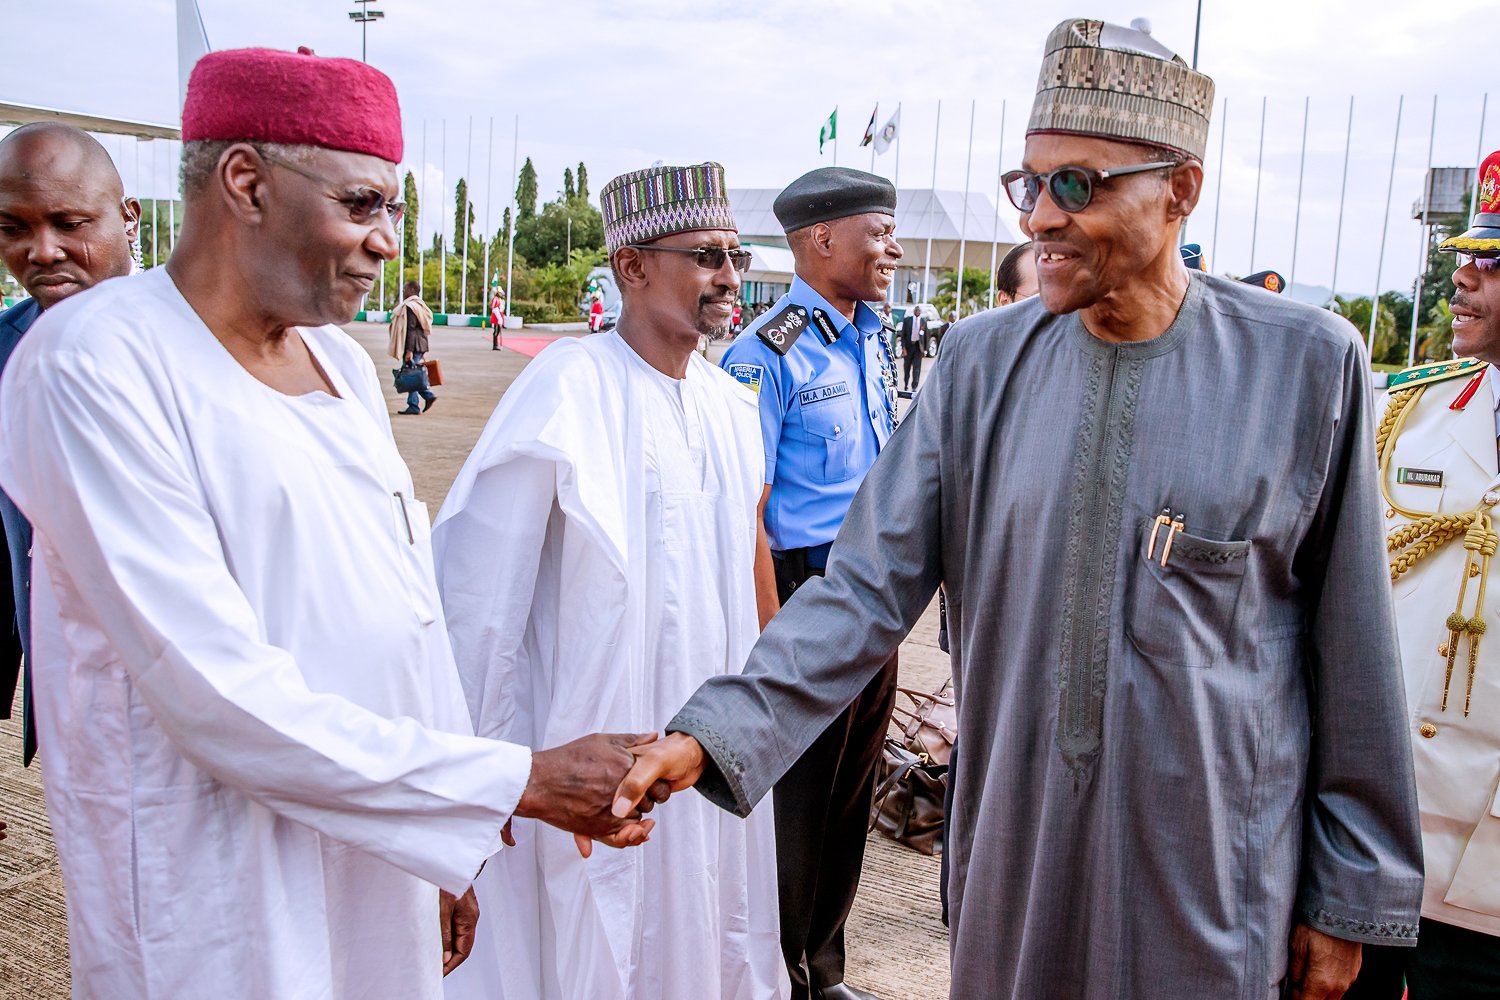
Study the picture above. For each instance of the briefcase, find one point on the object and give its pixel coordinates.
(434, 371)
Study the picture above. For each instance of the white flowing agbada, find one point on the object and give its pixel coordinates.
(258, 758)
(595, 558)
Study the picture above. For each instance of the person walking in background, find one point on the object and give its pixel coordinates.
(411, 332)
(913, 340)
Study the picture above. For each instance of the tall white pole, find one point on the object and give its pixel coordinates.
(155, 225)
(421, 207)
(1338, 232)
(1385, 225)
(1219, 184)
(891, 292)
(489, 202)
(835, 135)
(1416, 299)
(931, 208)
(958, 293)
(443, 228)
(1301, 169)
(510, 250)
(463, 295)
(1259, 159)
(171, 202)
(995, 237)
(1484, 109)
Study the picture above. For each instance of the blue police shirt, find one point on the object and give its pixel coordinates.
(824, 413)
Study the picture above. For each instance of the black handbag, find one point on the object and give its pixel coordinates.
(909, 799)
(410, 377)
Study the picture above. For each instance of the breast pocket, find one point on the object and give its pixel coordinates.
(828, 451)
(414, 542)
(1184, 612)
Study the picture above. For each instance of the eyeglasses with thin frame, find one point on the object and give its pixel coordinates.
(364, 203)
(1481, 262)
(711, 258)
(1071, 188)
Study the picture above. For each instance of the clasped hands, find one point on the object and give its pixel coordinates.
(600, 787)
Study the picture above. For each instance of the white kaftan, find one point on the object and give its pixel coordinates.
(595, 558)
(257, 754)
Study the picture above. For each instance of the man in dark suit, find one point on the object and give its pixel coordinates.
(65, 226)
(913, 340)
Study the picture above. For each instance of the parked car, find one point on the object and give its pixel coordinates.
(936, 327)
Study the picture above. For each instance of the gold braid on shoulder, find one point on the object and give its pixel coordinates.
(1428, 532)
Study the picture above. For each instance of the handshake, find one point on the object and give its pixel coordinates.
(600, 787)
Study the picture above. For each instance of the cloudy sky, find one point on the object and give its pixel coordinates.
(621, 85)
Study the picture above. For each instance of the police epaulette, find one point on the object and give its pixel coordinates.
(781, 330)
(1433, 371)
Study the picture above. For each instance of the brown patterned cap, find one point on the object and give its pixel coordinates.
(1103, 80)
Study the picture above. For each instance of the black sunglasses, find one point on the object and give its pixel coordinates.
(1071, 188)
(1481, 262)
(710, 257)
(364, 203)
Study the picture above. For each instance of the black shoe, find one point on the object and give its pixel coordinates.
(427, 404)
(842, 991)
(410, 411)
(494, 348)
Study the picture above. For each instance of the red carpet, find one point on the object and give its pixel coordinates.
(529, 346)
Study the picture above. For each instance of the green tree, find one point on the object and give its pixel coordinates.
(583, 182)
(526, 191)
(976, 292)
(543, 239)
(568, 192)
(409, 220)
(463, 215)
(560, 285)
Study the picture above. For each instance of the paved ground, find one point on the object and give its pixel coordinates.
(898, 947)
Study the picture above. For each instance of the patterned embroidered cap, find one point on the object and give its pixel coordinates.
(1484, 233)
(648, 204)
(1103, 80)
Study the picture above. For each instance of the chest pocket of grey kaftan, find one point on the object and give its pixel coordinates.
(1183, 613)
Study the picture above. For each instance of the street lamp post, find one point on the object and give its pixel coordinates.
(363, 17)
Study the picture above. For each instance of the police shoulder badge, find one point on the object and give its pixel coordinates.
(748, 376)
(781, 330)
(1433, 371)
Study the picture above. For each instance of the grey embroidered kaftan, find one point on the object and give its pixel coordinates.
(1162, 767)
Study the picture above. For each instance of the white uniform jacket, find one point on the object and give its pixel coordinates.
(1447, 459)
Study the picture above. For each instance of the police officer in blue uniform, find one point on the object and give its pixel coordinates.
(823, 372)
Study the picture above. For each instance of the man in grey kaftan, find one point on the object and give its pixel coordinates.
(1151, 497)
(1162, 766)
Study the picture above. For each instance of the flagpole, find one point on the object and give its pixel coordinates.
(1259, 159)
(442, 226)
(1484, 110)
(1301, 170)
(1338, 232)
(510, 250)
(1385, 225)
(421, 204)
(489, 204)
(835, 135)
(874, 121)
(1219, 184)
(463, 279)
(995, 237)
(1416, 299)
(890, 293)
(963, 219)
(931, 207)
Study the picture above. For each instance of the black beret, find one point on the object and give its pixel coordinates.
(1269, 280)
(830, 193)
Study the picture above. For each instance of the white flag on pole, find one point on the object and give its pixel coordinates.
(887, 135)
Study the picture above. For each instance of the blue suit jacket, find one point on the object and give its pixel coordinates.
(15, 586)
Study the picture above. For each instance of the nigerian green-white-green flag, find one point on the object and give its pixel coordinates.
(829, 131)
